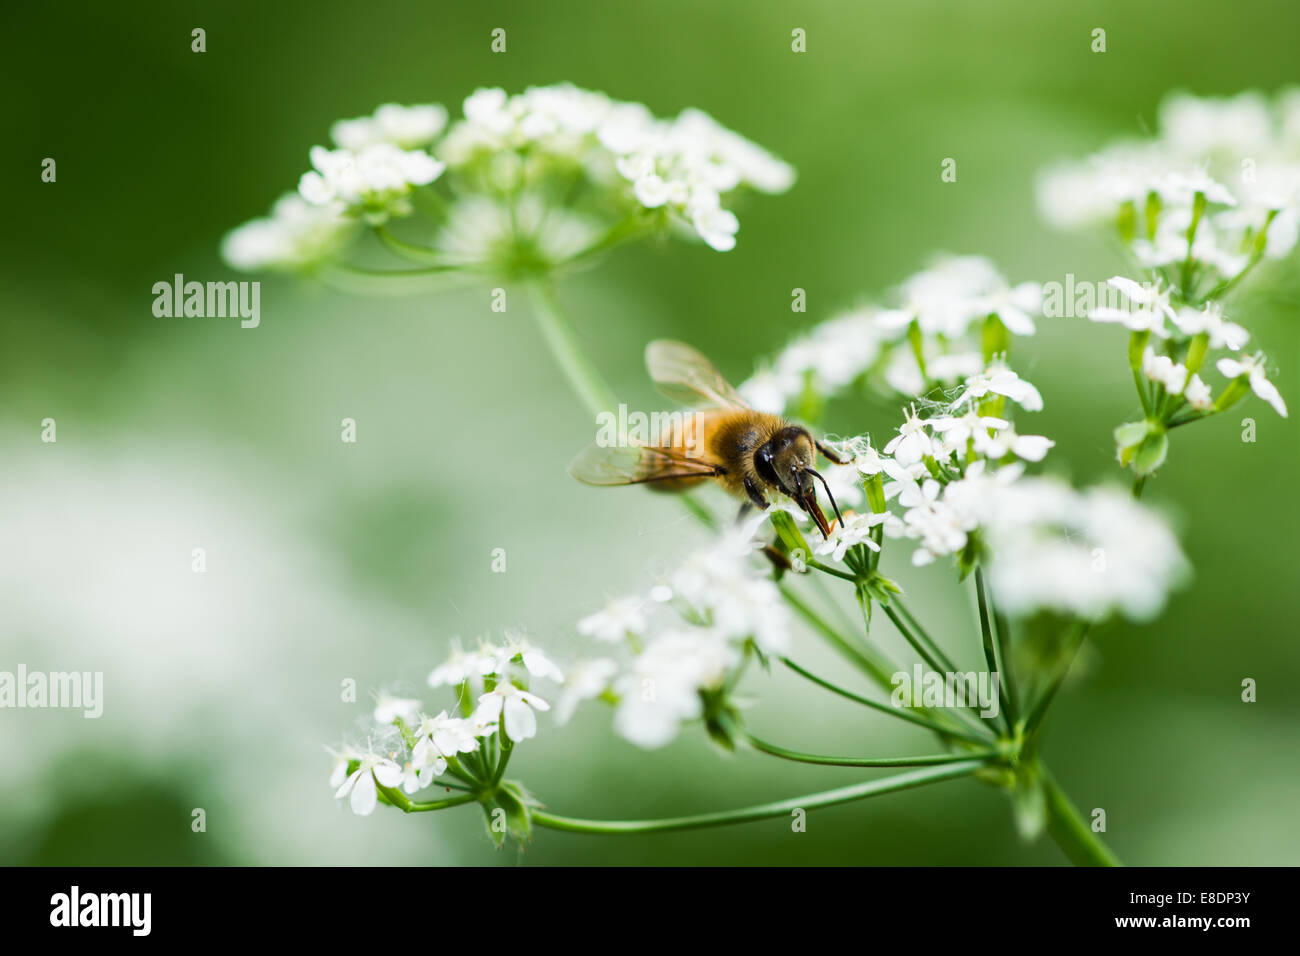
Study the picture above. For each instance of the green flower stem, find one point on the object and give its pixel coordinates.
(922, 634)
(1070, 829)
(832, 571)
(898, 712)
(1075, 641)
(409, 250)
(992, 653)
(1002, 628)
(506, 751)
(871, 663)
(630, 228)
(970, 713)
(931, 760)
(812, 801)
(564, 345)
(403, 802)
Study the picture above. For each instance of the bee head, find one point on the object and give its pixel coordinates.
(786, 462)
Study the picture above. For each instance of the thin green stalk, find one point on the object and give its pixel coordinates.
(409, 250)
(868, 661)
(931, 760)
(898, 712)
(923, 635)
(991, 651)
(563, 342)
(812, 801)
(1044, 701)
(831, 571)
(960, 713)
(1070, 830)
(403, 802)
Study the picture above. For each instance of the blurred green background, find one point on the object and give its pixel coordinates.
(328, 561)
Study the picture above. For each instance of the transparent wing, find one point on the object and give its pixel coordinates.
(686, 376)
(631, 465)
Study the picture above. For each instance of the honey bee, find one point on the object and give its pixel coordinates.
(747, 452)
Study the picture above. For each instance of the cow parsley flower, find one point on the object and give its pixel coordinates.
(662, 688)
(855, 530)
(1210, 322)
(407, 127)
(997, 379)
(1088, 554)
(360, 787)
(513, 707)
(295, 236)
(1151, 307)
(616, 620)
(463, 665)
(585, 680)
(373, 183)
(1251, 369)
(389, 709)
(1171, 375)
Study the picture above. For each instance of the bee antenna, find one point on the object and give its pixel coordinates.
(817, 474)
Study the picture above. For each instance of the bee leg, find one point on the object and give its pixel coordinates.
(830, 456)
(755, 495)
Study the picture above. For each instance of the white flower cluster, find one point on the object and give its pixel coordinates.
(687, 635)
(685, 165)
(1190, 333)
(515, 161)
(295, 236)
(1087, 554)
(933, 336)
(940, 466)
(1232, 166)
(954, 486)
(495, 676)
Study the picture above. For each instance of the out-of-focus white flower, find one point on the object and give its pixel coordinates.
(1152, 307)
(372, 183)
(616, 620)
(1197, 394)
(1198, 127)
(339, 769)
(463, 665)
(1210, 321)
(296, 235)
(360, 786)
(388, 709)
(514, 708)
(1182, 187)
(953, 292)
(585, 680)
(662, 688)
(403, 126)
(482, 230)
(533, 658)
(685, 166)
(718, 581)
(1171, 375)
(1252, 367)
(1089, 554)
(1008, 441)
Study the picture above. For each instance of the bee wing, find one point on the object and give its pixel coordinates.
(686, 376)
(636, 464)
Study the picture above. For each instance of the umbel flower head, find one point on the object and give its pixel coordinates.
(950, 320)
(533, 181)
